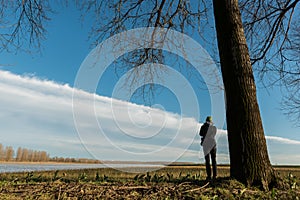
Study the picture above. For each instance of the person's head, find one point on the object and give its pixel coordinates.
(209, 119)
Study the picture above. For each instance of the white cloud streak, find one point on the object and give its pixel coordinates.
(282, 140)
(39, 114)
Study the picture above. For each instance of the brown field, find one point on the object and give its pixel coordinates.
(172, 182)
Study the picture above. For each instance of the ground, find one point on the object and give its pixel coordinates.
(176, 182)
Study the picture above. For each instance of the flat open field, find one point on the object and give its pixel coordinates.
(172, 182)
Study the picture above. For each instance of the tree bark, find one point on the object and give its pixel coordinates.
(249, 161)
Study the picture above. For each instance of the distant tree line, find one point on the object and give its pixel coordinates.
(7, 153)
(74, 160)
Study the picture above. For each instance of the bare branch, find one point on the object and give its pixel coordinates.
(23, 23)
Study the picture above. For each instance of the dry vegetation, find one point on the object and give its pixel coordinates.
(177, 182)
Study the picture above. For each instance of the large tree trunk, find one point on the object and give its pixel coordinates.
(249, 161)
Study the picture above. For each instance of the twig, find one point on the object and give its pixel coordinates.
(195, 189)
(183, 183)
(133, 187)
(59, 193)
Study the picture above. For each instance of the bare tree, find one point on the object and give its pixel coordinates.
(248, 152)
(25, 156)
(9, 153)
(1, 152)
(30, 155)
(19, 154)
(44, 157)
(249, 161)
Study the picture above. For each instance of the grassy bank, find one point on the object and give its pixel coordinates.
(173, 182)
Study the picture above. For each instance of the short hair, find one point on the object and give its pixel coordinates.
(209, 119)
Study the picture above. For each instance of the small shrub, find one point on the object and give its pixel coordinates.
(82, 176)
(97, 178)
(55, 175)
(29, 176)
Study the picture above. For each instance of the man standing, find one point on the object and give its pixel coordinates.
(207, 133)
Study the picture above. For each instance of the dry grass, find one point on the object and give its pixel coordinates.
(174, 182)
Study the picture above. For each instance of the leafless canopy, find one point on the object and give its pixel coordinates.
(112, 17)
(272, 29)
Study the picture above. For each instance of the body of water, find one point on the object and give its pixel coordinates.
(22, 167)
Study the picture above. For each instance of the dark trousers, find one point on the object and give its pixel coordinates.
(212, 154)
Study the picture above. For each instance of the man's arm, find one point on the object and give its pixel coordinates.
(203, 131)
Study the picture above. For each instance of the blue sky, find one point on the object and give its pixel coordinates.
(36, 107)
